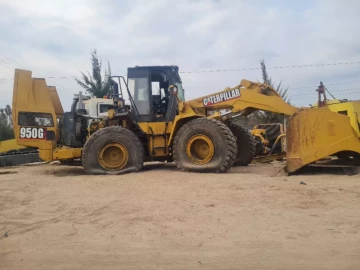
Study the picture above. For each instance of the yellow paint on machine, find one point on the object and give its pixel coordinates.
(158, 136)
(66, 153)
(8, 145)
(315, 133)
(29, 95)
(32, 95)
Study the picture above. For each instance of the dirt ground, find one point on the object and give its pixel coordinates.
(256, 217)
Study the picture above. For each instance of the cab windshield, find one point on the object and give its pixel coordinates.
(181, 93)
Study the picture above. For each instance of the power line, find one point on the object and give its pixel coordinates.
(314, 86)
(63, 90)
(5, 65)
(63, 86)
(334, 91)
(276, 67)
(338, 94)
(354, 92)
(13, 61)
(232, 70)
(48, 77)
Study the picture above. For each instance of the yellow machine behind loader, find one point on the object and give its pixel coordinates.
(316, 133)
(270, 142)
(160, 126)
(10, 145)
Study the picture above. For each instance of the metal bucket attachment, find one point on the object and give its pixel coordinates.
(316, 133)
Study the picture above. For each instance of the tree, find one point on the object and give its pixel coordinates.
(268, 117)
(94, 84)
(6, 127)
(262, 117)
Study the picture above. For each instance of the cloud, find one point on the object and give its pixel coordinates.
(54, 38)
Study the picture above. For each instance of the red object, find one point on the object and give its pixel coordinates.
(321, 95)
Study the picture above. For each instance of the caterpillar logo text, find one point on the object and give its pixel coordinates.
(208, 101)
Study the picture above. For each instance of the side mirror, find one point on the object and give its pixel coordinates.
(173, 89)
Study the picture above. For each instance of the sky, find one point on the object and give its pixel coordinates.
(54, 39)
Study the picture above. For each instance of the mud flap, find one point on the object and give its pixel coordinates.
(316, 133)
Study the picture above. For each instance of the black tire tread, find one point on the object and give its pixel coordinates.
(246, 144)
(116, 129)
(226, 134)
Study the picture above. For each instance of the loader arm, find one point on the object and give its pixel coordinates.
(313, 133)
(246, 98)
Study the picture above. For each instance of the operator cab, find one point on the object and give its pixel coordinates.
(149, 87)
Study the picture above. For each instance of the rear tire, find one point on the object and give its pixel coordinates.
(113, 150)
(246, 144)
(204, 145)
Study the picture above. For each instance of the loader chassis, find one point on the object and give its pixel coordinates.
(159, 125)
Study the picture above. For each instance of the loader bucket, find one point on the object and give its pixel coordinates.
(35, 110)
(316, 133)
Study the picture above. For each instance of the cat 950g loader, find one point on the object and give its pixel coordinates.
(159, 125)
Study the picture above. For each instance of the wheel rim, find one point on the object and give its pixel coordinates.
(113, 156)
(200, 149)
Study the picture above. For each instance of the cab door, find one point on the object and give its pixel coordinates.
(140, 91)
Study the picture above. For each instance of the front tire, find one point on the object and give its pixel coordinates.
(204, 145)
(113, 150)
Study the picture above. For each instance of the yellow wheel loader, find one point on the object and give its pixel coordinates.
(159, 125)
